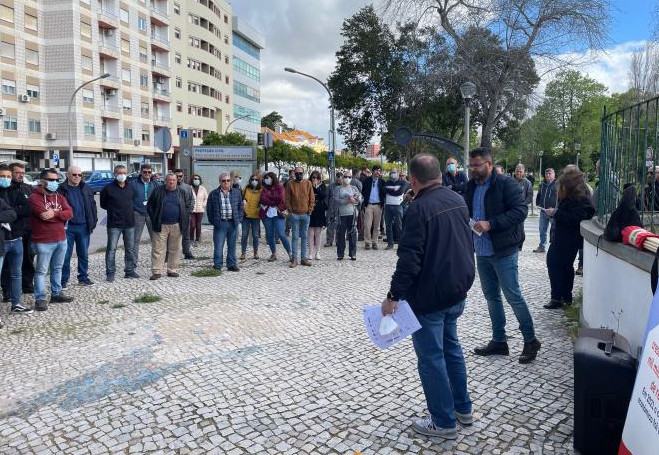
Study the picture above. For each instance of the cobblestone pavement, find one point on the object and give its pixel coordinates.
(268, 360)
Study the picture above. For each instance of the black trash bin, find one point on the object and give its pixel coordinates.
(603, 386)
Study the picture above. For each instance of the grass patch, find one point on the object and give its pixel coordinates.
(102, 302)
(206, 273)
(147, 298)
(101, 250)
(572, 313)
(118, 305)
(17, 330)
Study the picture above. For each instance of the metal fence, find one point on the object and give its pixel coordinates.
(630, 139)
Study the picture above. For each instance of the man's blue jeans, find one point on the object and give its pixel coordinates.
(501, 274)
(48, 255)
(129, 241)
(299, 229)
(441, 365)
(225, 232)
(393, 214)
(14, 260)
(276, 225)
(77, 234)
(544, 227)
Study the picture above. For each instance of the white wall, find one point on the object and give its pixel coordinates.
(612, 285)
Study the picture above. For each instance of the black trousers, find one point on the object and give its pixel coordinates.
(346, 228)
(560, 264)
(27, 270)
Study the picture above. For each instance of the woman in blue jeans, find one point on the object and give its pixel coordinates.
(273, 212)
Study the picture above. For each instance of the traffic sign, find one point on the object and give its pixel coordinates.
(268, 140)
(184, 134)
(163, 139)
(55, 158)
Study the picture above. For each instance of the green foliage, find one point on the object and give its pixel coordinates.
(272, 119)
(203, 273)
(233, 138)
(147, 298)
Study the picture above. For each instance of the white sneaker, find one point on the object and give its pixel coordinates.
(317, 258)
(427, 427)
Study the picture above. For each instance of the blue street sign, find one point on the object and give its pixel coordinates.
(184, 134)
(55, 158)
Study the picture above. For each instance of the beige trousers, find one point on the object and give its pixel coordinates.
(372, 219)
(166, 242)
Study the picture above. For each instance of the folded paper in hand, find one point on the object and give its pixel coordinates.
(6, 226)
(472, 223)
(404, 317)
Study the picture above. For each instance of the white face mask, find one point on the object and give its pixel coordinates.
(388, 326)
(121, 178)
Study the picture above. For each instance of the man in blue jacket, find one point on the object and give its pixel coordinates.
(225, 212)
(143, 186)
(498, 208)
(436, 242)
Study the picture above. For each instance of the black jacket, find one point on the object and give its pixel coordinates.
(505, 210)
(7, 215)
(366, 190)
(318, 218)
(154, 208)
(26, 190)
(547, 195)
(567, 220)
(457, 183)
(17, 199)
(91, 212)
(435, 266)
(119, 205)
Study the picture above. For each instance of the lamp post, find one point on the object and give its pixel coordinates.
(468, 90)
(577, 147)
(332, 169)
(540, 153)
(234, 120)
(73, 97)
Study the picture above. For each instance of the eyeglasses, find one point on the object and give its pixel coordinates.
(474, 165)
(75, 175)
(146, 172)
(228, 181)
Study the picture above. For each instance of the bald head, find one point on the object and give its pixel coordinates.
(425, 169)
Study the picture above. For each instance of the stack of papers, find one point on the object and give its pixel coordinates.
(404, 317)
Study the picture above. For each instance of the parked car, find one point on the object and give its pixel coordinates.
(32, 177)
(97, 180)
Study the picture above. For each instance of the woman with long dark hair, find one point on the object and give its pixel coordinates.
(200, 197)
(318, 220)
(574, 206)
(273, 213)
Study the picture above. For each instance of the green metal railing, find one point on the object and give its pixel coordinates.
(629, 157)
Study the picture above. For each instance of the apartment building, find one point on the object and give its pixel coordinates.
(50, 48)
(203, 75)
(247, 47)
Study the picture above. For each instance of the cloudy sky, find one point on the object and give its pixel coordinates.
(305, 35)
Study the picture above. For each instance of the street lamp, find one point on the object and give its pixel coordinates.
(102, 76)
(577, 147)
(468, 90)
(540, 153)
(234, 120)
(332, 169)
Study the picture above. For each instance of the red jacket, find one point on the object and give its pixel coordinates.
(52, 230)
(272, 196)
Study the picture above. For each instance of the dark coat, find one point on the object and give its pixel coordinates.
(547, 195)
(567, 220)
(20, 202)
(26, 190)
(214, 206)
(155, 204)
(505, 210)
(457, 183)
(436, 242)
(7, 215)
(366, 190)
(318, 218)
(118, 202)
(91, 212)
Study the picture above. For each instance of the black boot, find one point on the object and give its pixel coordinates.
(553, 305)
(530, 351)
(493, 348)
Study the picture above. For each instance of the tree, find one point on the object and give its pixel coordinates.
(644, 72)
(232, 138)
(272, 119)
(524, 30)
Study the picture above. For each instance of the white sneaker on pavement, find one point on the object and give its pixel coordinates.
(427, 427)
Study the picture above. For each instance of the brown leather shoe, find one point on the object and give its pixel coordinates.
(272, 258)
(155, 277)
(293, 264)
(256, 255)
(242, 257)
(172, 274)
(305, 262)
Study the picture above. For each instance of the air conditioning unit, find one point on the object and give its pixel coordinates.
(137, 142)
(51, 136)
(25, 98)
(2, 111)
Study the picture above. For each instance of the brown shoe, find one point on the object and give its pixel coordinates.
(272, 258)
(367, 246)
(172, 274)
(155, 277)
(305, 262)
(293, 264)
(256, 255)
(242, 257)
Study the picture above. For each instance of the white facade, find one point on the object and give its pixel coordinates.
(247, 47)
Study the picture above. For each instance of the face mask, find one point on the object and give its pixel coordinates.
(268, 181)
(451, 167)
(393, 176)
(121, 178)
(237, 181)
(196, 182)
(254, 183)
(388, 326)
(52, 186)
(298, 176)
(5, 182)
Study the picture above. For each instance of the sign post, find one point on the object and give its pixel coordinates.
(185, 141)
(163, 140)
(268, 142)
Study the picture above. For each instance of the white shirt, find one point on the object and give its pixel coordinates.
(374, 198)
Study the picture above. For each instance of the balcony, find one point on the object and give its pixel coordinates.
(110, 111)
(108, 17)
(160, 42)
(112, 140)
(108, 48)
(161, 93)
(159, 16)
(110, 81)
(162, 118)
(160, 68)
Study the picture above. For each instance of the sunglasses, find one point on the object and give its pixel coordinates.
(75, 175)
(51, 180)
(226, 181)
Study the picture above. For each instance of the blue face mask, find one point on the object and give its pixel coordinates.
(452, 167)
(52, 186)
(5, 182)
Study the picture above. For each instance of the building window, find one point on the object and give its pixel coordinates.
(10, 123)
(145, 108)
(194, 42)
(141, 23)
(6, 13)
(127, 105)
(193, 19)
(177, 58)
(123, 15)
(85, 30)
(90, 129)
(226, 19)
(144, 80)
(246, 69)
(31, 22)
(125, 74)
(145, 135)
(87, 96)
(125, 46)
(8, 87)
(177, 33)
(128, 133)
(245, 46)
(144, 56)
(245, 91)
(32, 57)
(7, 50)
(34, 126)
(179, 82)
(252, 115)
(33, 91)
(87, 63)
(179, 106)
(177, 8)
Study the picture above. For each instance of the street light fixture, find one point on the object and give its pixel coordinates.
(332, 169)
(468, 90)
(234, 120)
(73, 96)
(577, 147)
(540, 153)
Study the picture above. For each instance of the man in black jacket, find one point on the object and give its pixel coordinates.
(79, 228)
(546, 199)
(117, 199)
(436, 242)
(373, 190)
(13, 241)
(18, 185)
(497, 206)
(167, 208)
(393, 209)
(454, 179)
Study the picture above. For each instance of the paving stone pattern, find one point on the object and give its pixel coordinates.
(268, 360)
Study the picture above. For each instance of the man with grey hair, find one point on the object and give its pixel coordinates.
(225, 212)
(525, 187)
(117, 200)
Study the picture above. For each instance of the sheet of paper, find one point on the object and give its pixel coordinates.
(6, 226)
(472, 223)
(104, 221)
(272, 212)
(404, 317)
